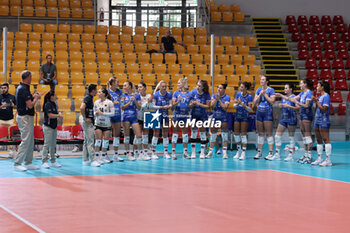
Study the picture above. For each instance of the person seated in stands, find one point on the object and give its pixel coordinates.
(168, 43)
(48, 73)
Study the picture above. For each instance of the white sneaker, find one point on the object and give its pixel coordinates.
(318, 161)
(76, 149)
(202, 156)
(20, 168)
(57, 155)
(186, 156)
(219, 152)
(106, 159)
(193, 155)
(269, 156)
(86, 163)
(99, 159)
(258, 156)
(140, 157)
(95, 163)
(225, 156)
(242, 157)
(117, 158)
(173, 156)
(325, 163)
(209, 155)
(238, 154)
(154, 156)
(289, 158)
(56, 164)
(45, 165)
(32, 167)
(167, 156)
(146, 157)
(275, 157)
(129, 157)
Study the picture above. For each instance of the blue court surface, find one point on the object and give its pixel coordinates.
(340, 171)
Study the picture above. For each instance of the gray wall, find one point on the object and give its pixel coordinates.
(281, 8)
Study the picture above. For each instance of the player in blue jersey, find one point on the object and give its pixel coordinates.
(180, 103)
(322, 123)
(220, 102)
(264, 99)
(243, 105)
(199, 106)
(288, 121)
(304, 100)
(162, 102)
(130, 103)
(116, 93)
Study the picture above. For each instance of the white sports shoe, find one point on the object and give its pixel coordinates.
(173, 156)
(318, 161)
(186, 156)
(167, 156)
(258, 156)
(32, 167)
(275, 157)
(76, 149)
(86, 163)
(56, 164)
(224, 155)
(129, 157)
(193, 155)
(238, 154)
(202, 156)
(95, 163)
(20, 168)
(209, 155)
(269, 156)
(289, 158)
(45, 165)
(242, 157)
(146, 157)
(100, 160)
(154, 156)
(107, 159)
(117, 158)
(326, 162)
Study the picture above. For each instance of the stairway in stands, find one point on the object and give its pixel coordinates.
(275, 53)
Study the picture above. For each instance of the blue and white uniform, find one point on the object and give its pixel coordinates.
(116, 101)
(242, 115)
(265, 110)
(322, 118)
(198, 112)
(220, 114)
(182, 109)
(162, 100)
(289, 116)
(130, 113)
(305, 113)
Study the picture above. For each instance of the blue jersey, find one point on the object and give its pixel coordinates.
(183, 106)
(304, 97)
(323, 117)
(219, 112)
(131, 110)
(162, 100)
(116, 100)
(264, 105)
(241, 112)
(202, 98)
(288, 113)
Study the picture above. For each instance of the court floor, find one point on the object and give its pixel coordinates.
(213, 195)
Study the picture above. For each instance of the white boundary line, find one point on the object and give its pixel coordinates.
(22, 219)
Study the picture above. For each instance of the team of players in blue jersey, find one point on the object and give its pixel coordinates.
(195, 104)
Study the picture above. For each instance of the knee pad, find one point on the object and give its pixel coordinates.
(174, 138)
(194, 133)
(154, 141)
(270, 140)
(308, 139)
(237, 138)
(213, 137)
(244, 139)
(105, 144)
(278, 140)
(145, 139)
(127, 140)
(138, 141)
(291, 142)
(98, 142)
(116, 141)
(224, 135)
(261, 139)
(203, 136)
(185, 138)
(165, 141)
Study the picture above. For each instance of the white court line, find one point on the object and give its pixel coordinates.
(22, 219)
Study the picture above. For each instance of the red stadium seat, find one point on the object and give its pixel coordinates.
(302, 19)
(296, 36)
(330, 54)
(321, 36)
(293, 28)
(341, 44)
(315, 45)
(331, 110)
(309, 36)
(345, 36)
(341, 109)
(312, 74)
(316, 28)
(339, 74)
(328, 28)
(38, 133)
(326, 74)
(290, 19)
(305, 28)
(317, 54)
(347, 63)
(324, 63)
(343, 54)
(314, 19)
(303, 54)
(338, 63)
(336, 96)
(333, 36)
(328, 44)
(341, 28)
(340, 84)
(302, 44)
(310, 63)
(338, 19)
(325, 19)
(330, 82)
(348, 97)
